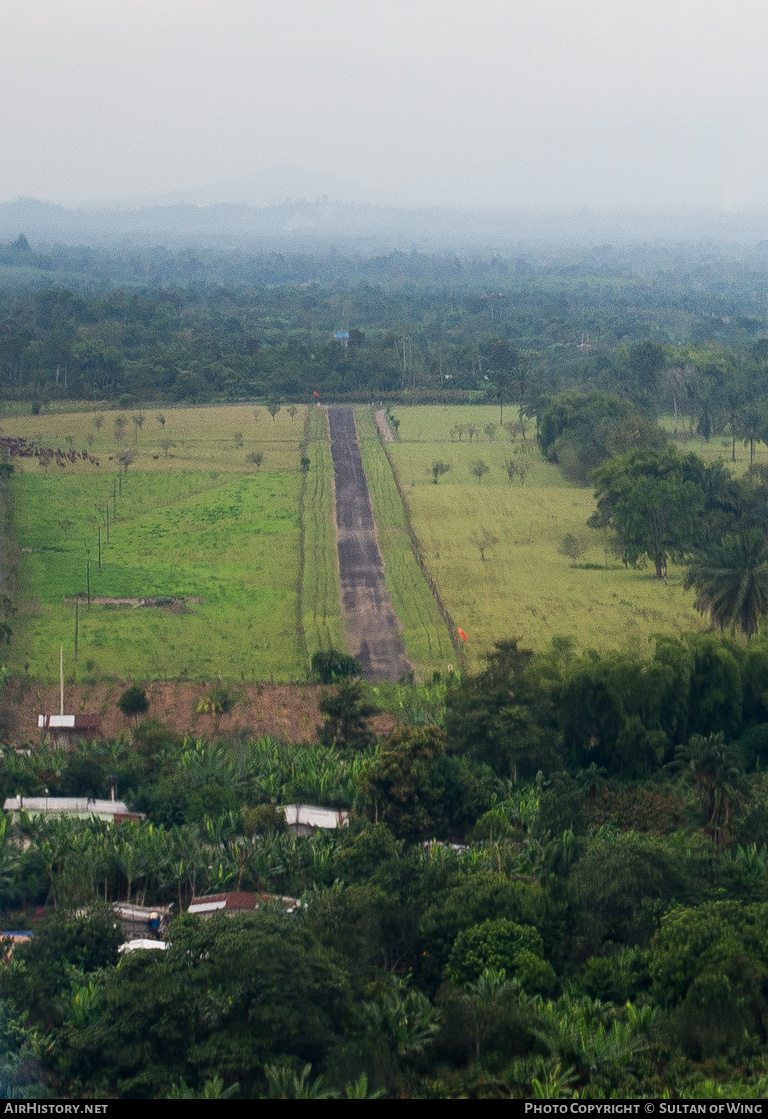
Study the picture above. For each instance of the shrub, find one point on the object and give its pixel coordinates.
(331, 665)
(134, 701)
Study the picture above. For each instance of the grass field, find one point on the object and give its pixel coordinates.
(525, 587)
(321, 594)
(197, 437)
(426, 638)
(717, 448)
(205, 524)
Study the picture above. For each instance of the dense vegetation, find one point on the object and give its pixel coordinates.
(598, 925)
(170, 327)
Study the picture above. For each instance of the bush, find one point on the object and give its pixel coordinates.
(134, 701)
(570, 546)
(209, 803)
(152, 736)
(217, 702)
(505, 946)
(264, 819)
(331, 665)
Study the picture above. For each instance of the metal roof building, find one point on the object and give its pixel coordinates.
(305, 819)
(237, 901)
(83, 807)
(65, 729)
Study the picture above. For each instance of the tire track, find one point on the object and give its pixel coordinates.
(370, 622)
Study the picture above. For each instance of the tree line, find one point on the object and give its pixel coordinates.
(426, 326)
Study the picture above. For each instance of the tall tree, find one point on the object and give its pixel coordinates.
(731, 581)
(650, 505)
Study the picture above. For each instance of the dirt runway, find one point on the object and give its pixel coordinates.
(370, 623)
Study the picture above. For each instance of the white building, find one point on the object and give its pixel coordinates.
(82, 807)
(306, 819)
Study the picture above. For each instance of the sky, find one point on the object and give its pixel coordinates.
(523, 104)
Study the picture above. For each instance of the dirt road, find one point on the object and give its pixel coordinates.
(370, 623)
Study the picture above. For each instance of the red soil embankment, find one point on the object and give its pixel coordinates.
(288, 711)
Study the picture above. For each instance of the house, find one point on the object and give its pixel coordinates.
(306, 819)
(82, 807)
(238, 901)
(63, 730)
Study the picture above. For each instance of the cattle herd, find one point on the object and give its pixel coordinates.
(27, 448)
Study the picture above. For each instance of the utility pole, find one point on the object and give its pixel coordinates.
(88, 577)
(61, 668)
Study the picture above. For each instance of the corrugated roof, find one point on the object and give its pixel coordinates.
(69, 722)
(314, 816)
(237, 900)
(142, 942)
(74, 805)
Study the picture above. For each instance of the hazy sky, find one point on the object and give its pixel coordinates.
(524, 103)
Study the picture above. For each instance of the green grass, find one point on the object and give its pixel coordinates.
(426, 637)
(525, 588)
(233, 541)
(200, 438)
(717, 448)
(203, 524)
(321, 592)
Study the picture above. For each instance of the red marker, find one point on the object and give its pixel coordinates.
(317, 394)
(462, 635)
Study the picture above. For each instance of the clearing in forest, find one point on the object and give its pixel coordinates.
(516, 558)
(208, 508)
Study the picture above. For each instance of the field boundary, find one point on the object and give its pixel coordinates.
(302, 558)
(416, 549)
(321, 620)
(373, 628)
(424, 623)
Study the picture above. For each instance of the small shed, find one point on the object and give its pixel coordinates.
(63, 730)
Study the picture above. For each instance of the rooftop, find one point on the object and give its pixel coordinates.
(314, 816)
(142, 942)
(238, 900)
(68, 722)
(71, 806)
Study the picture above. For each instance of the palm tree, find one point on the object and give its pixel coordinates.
(752, 430)
(731, 581)
(717, 769)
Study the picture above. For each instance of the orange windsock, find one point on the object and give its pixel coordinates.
(462, 635)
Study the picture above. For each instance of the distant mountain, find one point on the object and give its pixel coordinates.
(271, 187)
(306, 226)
